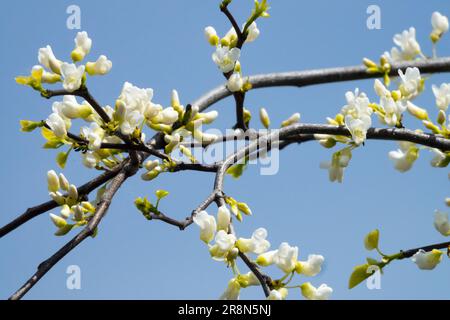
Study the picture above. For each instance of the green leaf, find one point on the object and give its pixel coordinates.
(236, 170)
(371, 239)
(358, 275)
(61, 159)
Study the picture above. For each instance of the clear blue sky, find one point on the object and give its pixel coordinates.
(160, 44)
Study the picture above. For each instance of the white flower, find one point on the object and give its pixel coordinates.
(285, 257)
(405, 156)
(427, 260)
(442, 95)
(441, 223)
(72, 76)
(90, 159)
(409, 47)
(252, 32)
(48, 59)
(339, 161)
(57, 124)
(256, 244)
(83, 46)
(357, 103)
(207, 224)
(132, 120)
(358, 127)
(136, 99)
(211, 36)
(71, 109)
(440, 159)
(380, 89)
(100, 67)
(232, 291)
(439, 23)
(310, 267)
(412, 83)
(224, 242)
(52, 181)
(323, 292)
(94, 134)
(393, 111)
(279, 294)
(225, 58)
(235, 82)
(223, 218)
(167, 116)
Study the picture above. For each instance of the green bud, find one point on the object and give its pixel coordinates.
(441, 117)
(28, 125)
(161, 193)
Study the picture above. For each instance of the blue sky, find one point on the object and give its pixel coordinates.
(160, 44)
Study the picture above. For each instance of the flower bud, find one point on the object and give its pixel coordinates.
(28, 125)
(73, 192)
(211, 36)
(65, 211)
(63, 182)
(264, 117)
(223, 218)
(57, 220)
(52, 181)
(417, 112)
(441, 117)
(291, 120)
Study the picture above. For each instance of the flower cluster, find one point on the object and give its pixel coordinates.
(224, 246)
(228, 48)
(72, 207)
(133, 109)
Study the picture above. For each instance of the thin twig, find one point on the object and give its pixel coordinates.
(410, 252)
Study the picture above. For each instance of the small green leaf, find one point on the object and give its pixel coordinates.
(61, 159)
(358, 275)
(371, 239)
(236, 170)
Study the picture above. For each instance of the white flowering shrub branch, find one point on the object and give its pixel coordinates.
(113, 141)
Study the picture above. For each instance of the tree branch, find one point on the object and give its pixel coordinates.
(127, 171)
(84, 189)
(321, 76)
(409, 253)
